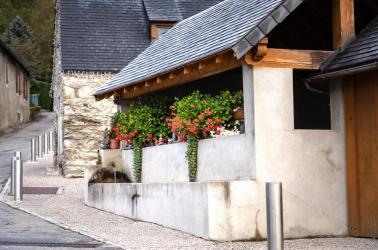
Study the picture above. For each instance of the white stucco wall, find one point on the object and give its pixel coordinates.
(224, 158)
(309, 163)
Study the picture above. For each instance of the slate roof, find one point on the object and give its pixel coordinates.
(175, 10)
(102, 35)
(216, 29)
(363, 49)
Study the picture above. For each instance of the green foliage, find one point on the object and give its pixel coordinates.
(137, 162)
(43, 89)
(198, 115)
(193, 117)
(144, 123)
(40, 16)
(191, 157)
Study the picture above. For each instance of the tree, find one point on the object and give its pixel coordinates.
(21, 40)
(40, 16)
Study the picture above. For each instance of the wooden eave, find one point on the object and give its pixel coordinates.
(212, 65)
(260, 56)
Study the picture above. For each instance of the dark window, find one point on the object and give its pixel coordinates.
(311, 105)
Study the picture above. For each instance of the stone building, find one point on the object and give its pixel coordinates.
(14, 89)
(95, 39)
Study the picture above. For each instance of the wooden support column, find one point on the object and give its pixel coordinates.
(343, 22)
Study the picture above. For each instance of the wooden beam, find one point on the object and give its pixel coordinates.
(260, 50)
(190, 73)
(343, 23)
(286, 58)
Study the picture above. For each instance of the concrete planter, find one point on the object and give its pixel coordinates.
(219, 159)
(221, 211)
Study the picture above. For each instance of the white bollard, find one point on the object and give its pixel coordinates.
(51, 141)
(274, 215)
(46, 144)
(40, 151)
(18, 177)
(13, 174)
(33, 156)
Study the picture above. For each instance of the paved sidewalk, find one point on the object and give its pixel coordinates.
(18, 138)
(68, 210)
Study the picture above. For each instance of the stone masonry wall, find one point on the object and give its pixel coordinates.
(84, 120)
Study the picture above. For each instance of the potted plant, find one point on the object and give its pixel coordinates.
(238, 108)
(114, 142)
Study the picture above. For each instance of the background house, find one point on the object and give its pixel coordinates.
(14, 89)
(94, 40)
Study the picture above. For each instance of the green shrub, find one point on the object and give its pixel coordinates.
(43, 89)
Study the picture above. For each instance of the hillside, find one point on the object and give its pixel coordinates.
(39, 15)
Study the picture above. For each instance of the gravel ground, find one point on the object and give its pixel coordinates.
(67, 209)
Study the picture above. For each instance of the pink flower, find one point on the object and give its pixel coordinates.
(201, 116)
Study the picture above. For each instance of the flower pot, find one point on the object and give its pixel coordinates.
(238, 114)
(114, 144)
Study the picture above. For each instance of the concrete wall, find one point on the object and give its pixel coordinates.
(309, 163)
(84, 120)
(14, 108)
(212, 210)
(224, 158)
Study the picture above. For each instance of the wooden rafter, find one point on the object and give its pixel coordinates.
(342, 21)
(207, 67)
(288, 58)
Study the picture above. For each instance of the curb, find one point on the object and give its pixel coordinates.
(5, 188)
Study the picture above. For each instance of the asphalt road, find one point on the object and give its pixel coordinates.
(20, 230)
(18, 138)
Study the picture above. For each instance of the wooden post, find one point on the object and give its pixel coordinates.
(343, 21)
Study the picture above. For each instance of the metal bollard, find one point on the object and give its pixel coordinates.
(46, 144)
(40, 155)
(33, 156)
(13, 176)
(274, 215)
(18, 180)
(51, 141)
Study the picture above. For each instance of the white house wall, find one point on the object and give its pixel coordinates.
(309, 163)
(14, 108)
